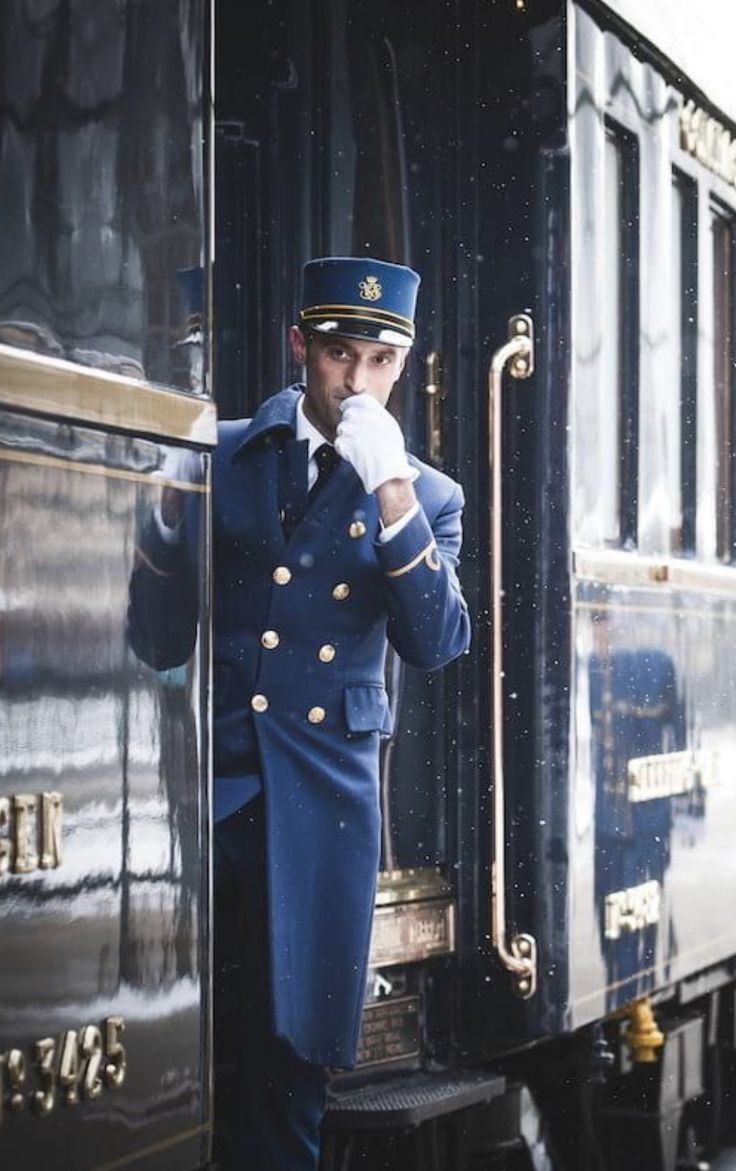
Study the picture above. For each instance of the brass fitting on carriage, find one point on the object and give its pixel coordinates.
(521, 334)
(642, 1035)
(434, 391)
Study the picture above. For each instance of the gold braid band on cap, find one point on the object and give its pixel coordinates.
(425, 555)
(355, 313)
(360, 310)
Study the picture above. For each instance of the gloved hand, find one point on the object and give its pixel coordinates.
(370, 439)
(180, 465)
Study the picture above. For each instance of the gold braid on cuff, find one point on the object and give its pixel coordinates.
(428, 555)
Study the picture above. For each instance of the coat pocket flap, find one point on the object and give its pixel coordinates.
(366, 708)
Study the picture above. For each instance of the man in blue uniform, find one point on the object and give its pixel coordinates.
(329, 539)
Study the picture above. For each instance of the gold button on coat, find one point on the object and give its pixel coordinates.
(341, 591)
(259, 703)
(281, 575)
(357, 529)
(327, 653)
(270, 639)
(315, 715)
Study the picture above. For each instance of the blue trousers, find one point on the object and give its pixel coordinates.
(269, 1102)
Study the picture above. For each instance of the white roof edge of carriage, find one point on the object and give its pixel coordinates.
(698, 41)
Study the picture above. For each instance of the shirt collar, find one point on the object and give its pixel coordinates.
(306, 430)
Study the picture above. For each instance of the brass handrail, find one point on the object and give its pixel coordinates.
(519, 957)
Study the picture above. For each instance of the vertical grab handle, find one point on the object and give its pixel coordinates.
(434, 390)
(519, 956)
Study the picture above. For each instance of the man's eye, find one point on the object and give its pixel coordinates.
(337, 354)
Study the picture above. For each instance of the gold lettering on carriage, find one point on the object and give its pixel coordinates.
(30, 832)
(410, 932)
(80, 1063)
(669, 774)
(632, 909)
(708, 141)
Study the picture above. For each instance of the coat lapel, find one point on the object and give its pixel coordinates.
(293, 497)
(257, 464)
(343, 486)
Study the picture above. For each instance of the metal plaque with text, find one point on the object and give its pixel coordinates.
(390, 1031)
(411, 932)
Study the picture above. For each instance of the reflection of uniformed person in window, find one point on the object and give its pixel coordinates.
(306, 592)
(637, 711)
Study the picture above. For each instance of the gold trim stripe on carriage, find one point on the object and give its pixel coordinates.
(69, 465)
(155, 1148)
(64, 390)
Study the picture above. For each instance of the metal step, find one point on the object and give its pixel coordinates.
(409, 1100)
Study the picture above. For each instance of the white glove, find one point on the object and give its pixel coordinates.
(370, 439)
(183, 465)
(180, 463)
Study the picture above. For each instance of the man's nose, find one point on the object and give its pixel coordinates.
(355, 377)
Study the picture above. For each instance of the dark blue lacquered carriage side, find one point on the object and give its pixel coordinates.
(104, 821)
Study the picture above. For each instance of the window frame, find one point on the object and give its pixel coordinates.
(724, 386)
(629, 288)
(688, 385)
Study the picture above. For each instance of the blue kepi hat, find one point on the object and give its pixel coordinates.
(361, 298)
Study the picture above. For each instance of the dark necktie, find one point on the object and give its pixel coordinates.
(326, 459)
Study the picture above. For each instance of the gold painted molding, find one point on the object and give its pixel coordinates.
(51, 386)
(7, 455)
(411, 886)
(618, 568)
(155, 1148)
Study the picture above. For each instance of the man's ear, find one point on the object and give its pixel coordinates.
(298, 344)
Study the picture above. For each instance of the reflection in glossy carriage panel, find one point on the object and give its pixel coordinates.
(102, 199)
(637, 725)
(103, 910)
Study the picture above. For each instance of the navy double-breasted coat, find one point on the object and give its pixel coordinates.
(300, 636)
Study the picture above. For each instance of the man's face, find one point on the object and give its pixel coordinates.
(338, 367)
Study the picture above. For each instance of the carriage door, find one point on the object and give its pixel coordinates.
(340, 131)
(387, 170)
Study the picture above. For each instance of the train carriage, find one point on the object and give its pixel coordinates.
(553, 957)
(104, 820)
(559, 173)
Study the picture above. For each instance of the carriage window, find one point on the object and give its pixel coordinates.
(363, 173)
(606, 352)
(619, 350)
(723, 236)
(610, 337)
(380, 217)
(681, 419)
(610, 366)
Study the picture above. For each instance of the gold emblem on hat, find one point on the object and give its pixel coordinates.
(370, 289)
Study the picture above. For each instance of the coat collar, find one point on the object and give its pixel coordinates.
(276, 413)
